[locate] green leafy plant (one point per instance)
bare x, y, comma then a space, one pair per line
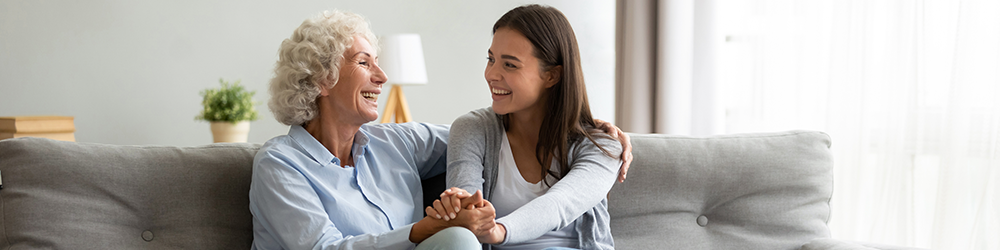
231, 103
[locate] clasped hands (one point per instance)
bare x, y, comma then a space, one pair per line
458, 207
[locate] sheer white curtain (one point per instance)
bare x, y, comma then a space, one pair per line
664, 47
908, 90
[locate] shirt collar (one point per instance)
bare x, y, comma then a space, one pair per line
318, 152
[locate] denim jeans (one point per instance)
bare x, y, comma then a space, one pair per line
451, 238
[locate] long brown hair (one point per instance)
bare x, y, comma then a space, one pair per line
569, 119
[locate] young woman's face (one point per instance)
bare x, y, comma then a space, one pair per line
513, 73
356, 93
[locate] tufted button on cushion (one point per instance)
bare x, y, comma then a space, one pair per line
147, 235
702, 220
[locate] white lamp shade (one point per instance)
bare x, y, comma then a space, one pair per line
402, 59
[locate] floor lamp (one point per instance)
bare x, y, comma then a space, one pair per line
402, 60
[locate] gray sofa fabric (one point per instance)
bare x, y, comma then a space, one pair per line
751, 191
65, 195
834, 244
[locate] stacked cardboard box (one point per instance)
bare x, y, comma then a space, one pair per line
52, 127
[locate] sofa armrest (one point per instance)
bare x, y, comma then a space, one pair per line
834, 244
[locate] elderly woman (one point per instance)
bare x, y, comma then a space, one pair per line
336, 182
332, 181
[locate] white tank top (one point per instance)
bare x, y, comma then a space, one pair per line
512, 191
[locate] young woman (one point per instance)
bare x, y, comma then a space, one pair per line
535, 154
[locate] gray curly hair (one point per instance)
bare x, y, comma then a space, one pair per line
312, 56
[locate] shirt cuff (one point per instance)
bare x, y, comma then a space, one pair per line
398, 238
506, 236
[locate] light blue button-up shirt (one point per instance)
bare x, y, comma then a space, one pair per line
301, 198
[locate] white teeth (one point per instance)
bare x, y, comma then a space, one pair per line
370, 95
499, 91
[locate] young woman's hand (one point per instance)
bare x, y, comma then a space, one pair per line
622, 137
494, 236
451, 202
480, 220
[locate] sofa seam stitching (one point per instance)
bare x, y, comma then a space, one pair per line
738, 136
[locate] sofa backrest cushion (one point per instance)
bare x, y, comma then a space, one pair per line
745, 191
65, 195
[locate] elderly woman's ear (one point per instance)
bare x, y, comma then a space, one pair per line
324, 89
325, 86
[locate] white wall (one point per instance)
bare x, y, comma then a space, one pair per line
130, 71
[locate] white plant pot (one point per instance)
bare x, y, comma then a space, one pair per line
230, 132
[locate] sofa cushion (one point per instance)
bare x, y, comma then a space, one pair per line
749, 191
65, 195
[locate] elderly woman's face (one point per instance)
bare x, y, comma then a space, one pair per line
355, 95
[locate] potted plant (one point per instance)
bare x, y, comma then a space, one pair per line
230, 109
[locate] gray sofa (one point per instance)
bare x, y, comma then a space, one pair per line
750, 191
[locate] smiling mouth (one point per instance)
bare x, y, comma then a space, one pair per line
499, 91
371, 96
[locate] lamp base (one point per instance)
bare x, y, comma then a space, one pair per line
396, 107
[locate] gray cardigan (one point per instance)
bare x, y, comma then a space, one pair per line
473, 154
